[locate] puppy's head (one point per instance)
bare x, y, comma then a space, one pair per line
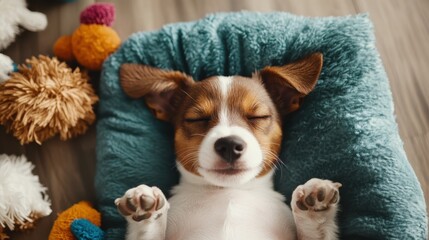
227, 129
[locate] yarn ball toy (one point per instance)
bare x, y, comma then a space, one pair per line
14, 13
23, 199
80, 221
63, 49
83, 229
46, 98
6, 67
98, 13
93, 41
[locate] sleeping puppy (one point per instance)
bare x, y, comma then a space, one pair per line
228, 132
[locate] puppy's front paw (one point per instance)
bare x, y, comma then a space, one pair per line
316, 195
142, 203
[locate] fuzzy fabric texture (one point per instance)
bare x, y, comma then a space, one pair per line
345, 130
22, 198
14, 13
81, 210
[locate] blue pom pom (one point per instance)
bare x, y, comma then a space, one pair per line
83, 229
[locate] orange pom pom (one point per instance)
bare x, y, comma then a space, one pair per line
61, 229
92, 44
63, 49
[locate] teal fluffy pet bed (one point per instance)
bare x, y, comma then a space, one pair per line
345, 130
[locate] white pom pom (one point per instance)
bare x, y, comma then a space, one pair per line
14, 13
32, 21
21, 193
9, 18
6, 67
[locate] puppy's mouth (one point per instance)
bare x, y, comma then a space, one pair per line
228, 171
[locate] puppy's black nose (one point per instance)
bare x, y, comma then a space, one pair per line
230, 148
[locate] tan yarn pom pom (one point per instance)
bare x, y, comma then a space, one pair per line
45, 98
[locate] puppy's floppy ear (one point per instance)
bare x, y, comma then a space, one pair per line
288, 84
158, 87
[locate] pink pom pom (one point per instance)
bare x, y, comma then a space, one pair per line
98, 13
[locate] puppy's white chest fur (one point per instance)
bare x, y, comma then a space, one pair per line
253, 211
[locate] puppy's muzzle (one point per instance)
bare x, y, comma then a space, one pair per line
230, 148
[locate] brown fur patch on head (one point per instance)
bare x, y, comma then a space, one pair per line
196, 115
251, 107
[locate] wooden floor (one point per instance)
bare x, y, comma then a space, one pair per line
402, 30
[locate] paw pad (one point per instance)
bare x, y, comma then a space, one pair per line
141, 203
316, 195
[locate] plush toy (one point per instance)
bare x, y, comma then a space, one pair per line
80, 221
14, 13
6, 67
93, 41
22, 198
46, 98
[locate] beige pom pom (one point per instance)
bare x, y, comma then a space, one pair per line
46, 98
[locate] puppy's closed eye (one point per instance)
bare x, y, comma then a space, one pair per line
198, 120
258, 117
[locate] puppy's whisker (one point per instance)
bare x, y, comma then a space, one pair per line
274, 164
189, 161
198, 134
188, 95
187, 150
195, 165
186, 156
